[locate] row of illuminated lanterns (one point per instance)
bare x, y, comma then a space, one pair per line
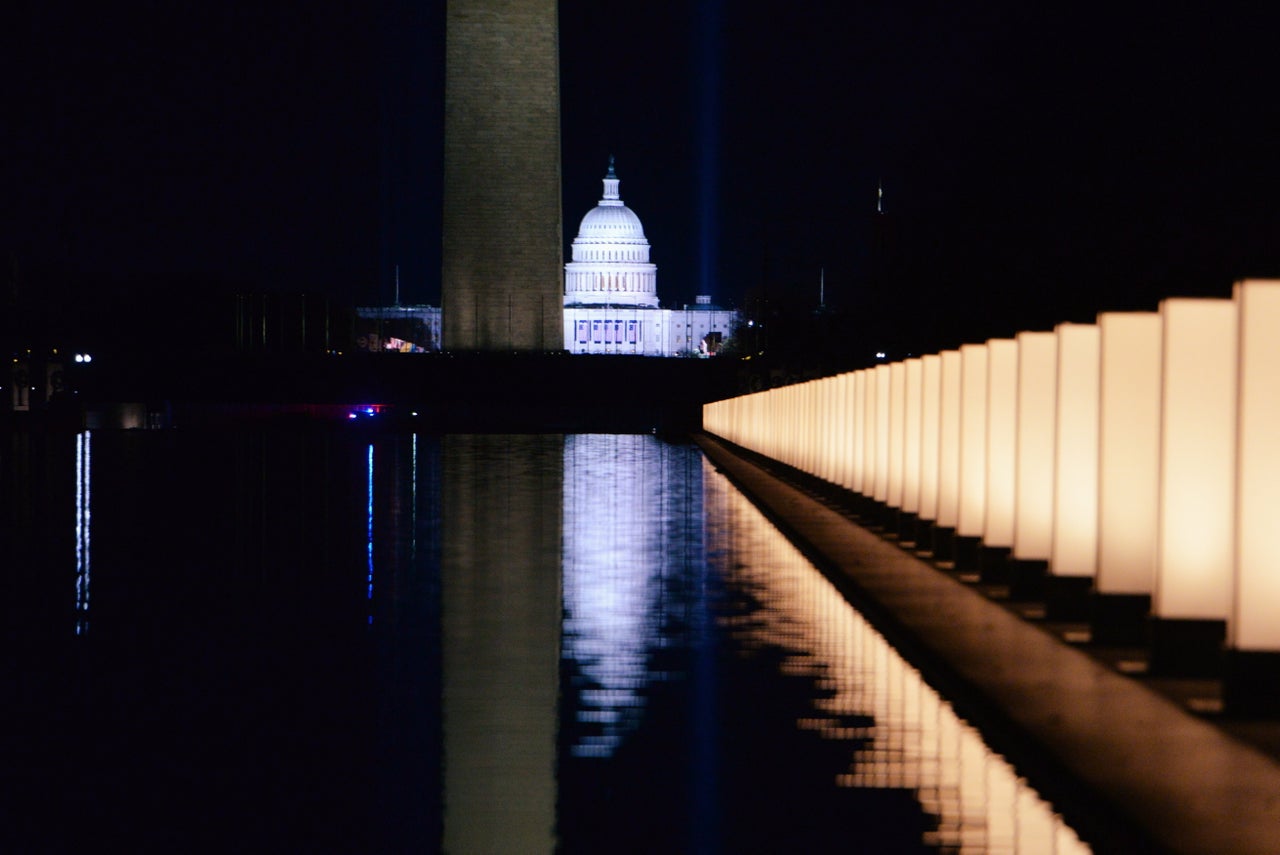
1142, 451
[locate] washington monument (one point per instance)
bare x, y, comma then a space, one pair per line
502, 244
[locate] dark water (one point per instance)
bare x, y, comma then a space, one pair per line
316, 642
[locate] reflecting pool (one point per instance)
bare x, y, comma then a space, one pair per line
328, 642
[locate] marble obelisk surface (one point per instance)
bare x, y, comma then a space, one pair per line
502, 254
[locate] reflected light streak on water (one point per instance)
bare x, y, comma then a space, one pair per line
369, 530
909, 736
83, 520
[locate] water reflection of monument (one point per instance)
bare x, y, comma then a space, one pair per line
500, 582
627, 506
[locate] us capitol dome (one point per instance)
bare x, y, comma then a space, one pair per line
611, 292
611, 256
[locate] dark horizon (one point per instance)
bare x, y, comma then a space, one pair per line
1038, 165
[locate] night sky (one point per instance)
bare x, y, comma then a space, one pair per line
1039, 163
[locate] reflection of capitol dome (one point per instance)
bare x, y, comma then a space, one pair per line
610, 256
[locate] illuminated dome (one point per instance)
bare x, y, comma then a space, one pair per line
610, 256
611, 221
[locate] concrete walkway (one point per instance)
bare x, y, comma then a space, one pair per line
1130, 770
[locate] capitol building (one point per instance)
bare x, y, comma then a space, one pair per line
610, 298
611, 292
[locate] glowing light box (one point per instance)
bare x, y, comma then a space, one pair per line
930, 427
846, 434
846, 437
831, 418
882, 433
859, 428
912, 410
1075, 504
1197, 460
1001, 451
1037, 423
897, 432
973, 440
949, 441
869, 435
1128, 452
817, 427
812, 424
1253, 624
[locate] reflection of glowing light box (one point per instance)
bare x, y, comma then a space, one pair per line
1037, 423
1128, 476
1253, 654
1001, 448
1074, 554
1192, 591
973, 455
948, 457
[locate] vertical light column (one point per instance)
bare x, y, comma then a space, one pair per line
914, 425
776, 422
1197, 460
818, 432
930, 428
1128, 474
812, 425
882, 433
801, 421
973, 440
1255, 623
795, 421
795, 414
859, 430
821, 427
1253, 662
870, 422
1037, 426
840, 420
1002, 423
897, 432
1196, 541
1075, 504
949, 441
836, 437
836, 420
848, 434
